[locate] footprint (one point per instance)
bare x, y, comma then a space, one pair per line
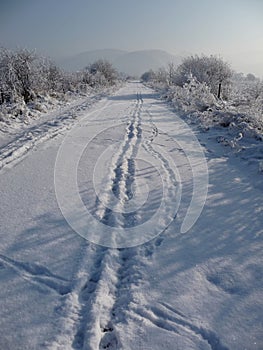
78, 342
95, 277
158, 242
109, 341
148, 251
87, 290
98, 263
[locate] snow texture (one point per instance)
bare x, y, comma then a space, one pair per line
201, 289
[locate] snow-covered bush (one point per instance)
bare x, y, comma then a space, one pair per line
158, 78
211, 70
247, 95
148, 76
17, 74
49, 77
192, 96
8, 79
30, 84
25, 75
241, 114
102, 73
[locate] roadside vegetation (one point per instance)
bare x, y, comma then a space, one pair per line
31, 84
206, 90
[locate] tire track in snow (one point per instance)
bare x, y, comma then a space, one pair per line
128, 278
90, 300
14, 151
122, 178
74, 312
128, 275
118, 274
123, 273
87, 309
101, 298
122, 174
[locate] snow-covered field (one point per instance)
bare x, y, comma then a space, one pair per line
170, 259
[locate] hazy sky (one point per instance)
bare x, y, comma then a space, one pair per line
231, 28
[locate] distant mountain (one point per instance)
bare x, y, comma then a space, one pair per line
83, 59
134, 63
138, 62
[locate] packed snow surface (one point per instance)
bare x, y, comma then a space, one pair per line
168, 284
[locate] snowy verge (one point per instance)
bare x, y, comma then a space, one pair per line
20, 134
238, 130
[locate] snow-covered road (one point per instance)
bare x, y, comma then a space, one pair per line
112, 237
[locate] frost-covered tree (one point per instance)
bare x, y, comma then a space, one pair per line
171, 72
7, 76
51, 75
24, 75
161, 76
22, 66
148, 76
251, 77
211, 70
104, 72
247, 95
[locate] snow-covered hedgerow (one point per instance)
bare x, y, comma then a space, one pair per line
31, 85
247, 95
193, 88
12, 114
237, 121
196, 102
192, 96
212, 70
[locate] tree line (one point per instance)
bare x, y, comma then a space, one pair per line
207, 87
211, 70
26, 75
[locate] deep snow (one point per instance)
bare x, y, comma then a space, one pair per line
201, 289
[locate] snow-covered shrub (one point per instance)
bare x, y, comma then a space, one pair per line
23, 71
48, 77
25, 75
8, 79
158, 79
192, 96
161, 76
171, 73
148, 76
211, 70
247, 96
31, 85
103, 73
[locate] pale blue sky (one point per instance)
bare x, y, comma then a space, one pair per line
231, 28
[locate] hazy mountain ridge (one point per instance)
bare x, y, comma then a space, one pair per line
132, 63
80, 61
